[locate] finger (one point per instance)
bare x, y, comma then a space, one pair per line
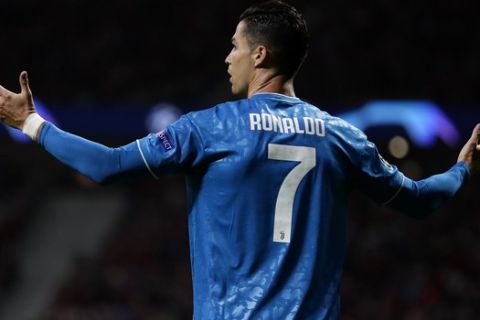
476, 136
3, 91
476, 132
24, 83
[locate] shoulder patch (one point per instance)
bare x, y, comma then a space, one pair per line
165, 140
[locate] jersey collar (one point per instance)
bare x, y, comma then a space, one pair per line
275, 96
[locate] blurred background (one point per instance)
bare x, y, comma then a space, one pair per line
406, 72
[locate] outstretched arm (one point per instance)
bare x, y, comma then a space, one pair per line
419, 198
94, 160
423, 197
388, 186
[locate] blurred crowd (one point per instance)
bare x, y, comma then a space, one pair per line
397, 267
136, 53
13, 213
143, 272
139, 52
401, 268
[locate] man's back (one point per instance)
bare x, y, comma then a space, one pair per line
267, 179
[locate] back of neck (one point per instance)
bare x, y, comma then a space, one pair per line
273, 84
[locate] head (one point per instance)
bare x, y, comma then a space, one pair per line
270, 35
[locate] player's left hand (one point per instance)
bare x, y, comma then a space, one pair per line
470, 152
15, 108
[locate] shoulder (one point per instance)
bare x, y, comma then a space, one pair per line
228, 108
345, 138
343, 128
210, 122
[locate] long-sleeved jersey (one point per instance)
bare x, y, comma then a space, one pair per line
268, 179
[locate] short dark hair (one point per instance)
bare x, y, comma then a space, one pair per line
282, 29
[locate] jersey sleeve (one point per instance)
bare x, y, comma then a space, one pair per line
387, 185
94, 160
375, 176
420, 198
177, 149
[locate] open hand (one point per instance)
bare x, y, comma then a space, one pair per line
15, 108
471, 151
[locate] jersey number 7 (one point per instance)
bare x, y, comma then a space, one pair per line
282, 226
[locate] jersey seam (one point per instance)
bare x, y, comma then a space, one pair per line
276, 94
396, 193
145, 161
194, 126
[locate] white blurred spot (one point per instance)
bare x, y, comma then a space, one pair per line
161, 115
398, 147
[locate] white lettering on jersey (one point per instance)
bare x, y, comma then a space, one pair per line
288, 125
277, 124
255, 122
309, 126
270, 122
267, 122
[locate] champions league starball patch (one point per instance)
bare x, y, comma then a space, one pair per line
165, 140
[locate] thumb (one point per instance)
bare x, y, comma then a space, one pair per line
476, 132
476, 136
24, 83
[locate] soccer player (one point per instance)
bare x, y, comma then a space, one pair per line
268, 178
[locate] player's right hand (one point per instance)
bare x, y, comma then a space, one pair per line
15, 108
470, 153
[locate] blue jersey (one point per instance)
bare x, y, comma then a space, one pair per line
268, 179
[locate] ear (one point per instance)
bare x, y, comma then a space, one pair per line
259, 56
